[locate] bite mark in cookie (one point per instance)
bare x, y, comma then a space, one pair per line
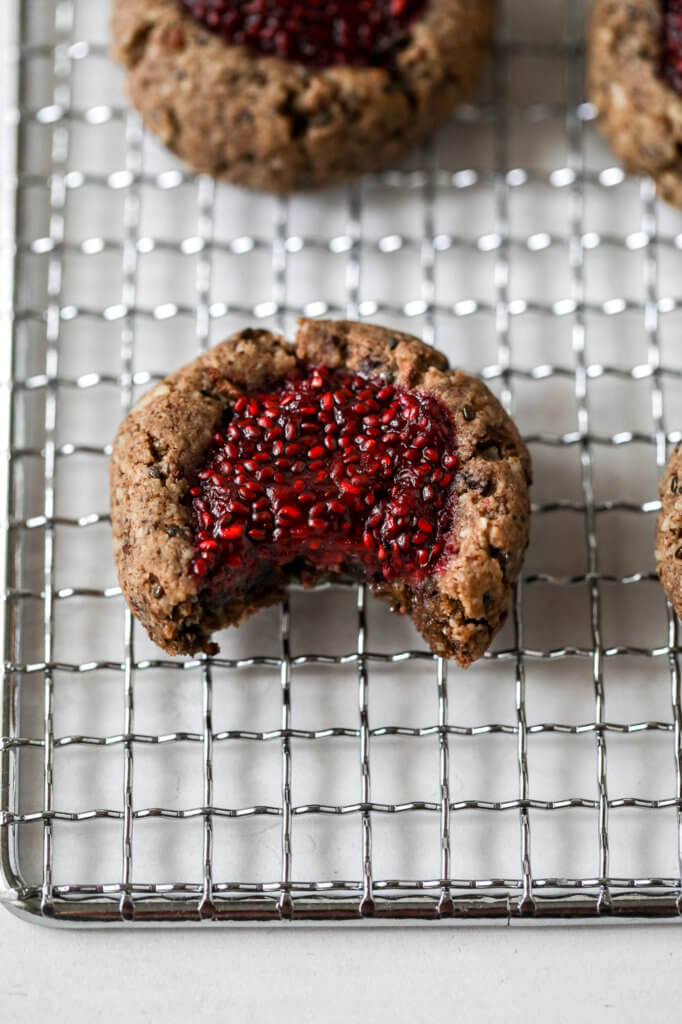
425, 497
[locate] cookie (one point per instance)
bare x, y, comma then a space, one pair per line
635, 82
669, 531
290, 98
354, 453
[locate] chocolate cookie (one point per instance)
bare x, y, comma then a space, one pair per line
669, 531
354, 453
635, 81
287, 97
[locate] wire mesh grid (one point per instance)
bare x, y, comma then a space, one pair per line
264, 784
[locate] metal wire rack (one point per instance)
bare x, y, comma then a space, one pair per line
267, 779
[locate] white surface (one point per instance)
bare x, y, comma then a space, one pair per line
619, 975
563, 974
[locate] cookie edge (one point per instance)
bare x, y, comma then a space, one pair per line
669, 530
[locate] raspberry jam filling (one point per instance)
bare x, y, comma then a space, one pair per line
672, 44
328, 472
321, 33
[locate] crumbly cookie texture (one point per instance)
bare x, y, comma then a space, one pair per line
669, 531
641, 114
457, 609
272, 124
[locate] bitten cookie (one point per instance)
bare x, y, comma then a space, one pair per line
354, 453
669, 531
635, 81
281, 95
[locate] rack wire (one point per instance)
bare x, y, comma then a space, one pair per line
265, 785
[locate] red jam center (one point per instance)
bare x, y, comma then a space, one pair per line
672, 43
333, 472
321, 33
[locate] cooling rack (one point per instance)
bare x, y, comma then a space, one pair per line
325, 767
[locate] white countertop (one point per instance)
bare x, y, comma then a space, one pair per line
619, 974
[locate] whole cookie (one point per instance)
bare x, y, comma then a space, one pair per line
669, 531
300, 118
354, 453
635, 81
